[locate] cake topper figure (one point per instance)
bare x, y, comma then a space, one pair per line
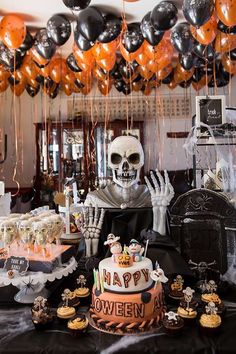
65, 296
188, 296
178, 283
116, 250
211, 308
111, 238
158, 276
81, 281
136, 250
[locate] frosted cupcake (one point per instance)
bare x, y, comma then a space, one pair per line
42, 316
211, 296
172, 323
210, 321
176, 288
187, 309
81, 292
77, 324
65, 312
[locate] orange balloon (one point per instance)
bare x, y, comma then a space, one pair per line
152, 65
226, 11
172, 85
38, 58
225, 42
85, 60
104, 50
181, 74
4, 74
86, 89
130, 56
57, 69
206, 33
99, 73
142, 59
136, 86
19, 77
229, 65
163, 73
28, 67
68, 78
107, 63
84, 76
12, 31
163, 49
145, 72
18, 89
67, 89
105, 86
32, 82
3, 85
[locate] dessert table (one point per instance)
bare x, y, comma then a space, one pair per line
17, 335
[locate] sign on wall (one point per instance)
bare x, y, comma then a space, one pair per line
210, 110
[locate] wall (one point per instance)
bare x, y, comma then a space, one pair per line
160, 151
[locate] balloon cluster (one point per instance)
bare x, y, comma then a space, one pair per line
132, 57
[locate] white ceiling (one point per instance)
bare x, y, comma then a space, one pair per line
37, 12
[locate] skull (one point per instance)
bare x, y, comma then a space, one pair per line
8, 231
26, 231
211, 308
125, 158
158, 276
188, 294
40, 233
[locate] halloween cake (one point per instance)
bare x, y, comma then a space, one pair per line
127, 298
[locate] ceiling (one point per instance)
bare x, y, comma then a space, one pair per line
36, 13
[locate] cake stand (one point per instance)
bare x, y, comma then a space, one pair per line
32, 284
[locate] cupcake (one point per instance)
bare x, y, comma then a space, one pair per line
172, 323
176, 288
77, 324
65, 311
81, 292
210, 321
187, 309
42, 316
211, 296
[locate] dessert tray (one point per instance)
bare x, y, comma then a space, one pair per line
32, 284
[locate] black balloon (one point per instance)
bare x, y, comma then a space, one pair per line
221, 77
27, 44
168, 79
182, 38
186, 61
39, 79
164, 15
47, 82
59, 29
232, 54
44, 44
199, 62
198, 74
132, 38
13, 81
10, 58
206, 52
81, 41
119, 85
151, 35
72, 64
115, 72
198, 12
90, 23
223, 28
138, 78
126, 69
76, 5
32, 91
185, 84
112, 29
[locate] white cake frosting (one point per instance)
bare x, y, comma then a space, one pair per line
126, 280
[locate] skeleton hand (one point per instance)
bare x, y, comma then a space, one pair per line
91, 229
161, 194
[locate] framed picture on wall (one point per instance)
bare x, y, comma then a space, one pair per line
210, 110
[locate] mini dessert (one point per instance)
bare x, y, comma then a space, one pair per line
172, 323
65, 312
210, 321
42, 316
176, 288
186, 309
211, 296
81, 292
78, 324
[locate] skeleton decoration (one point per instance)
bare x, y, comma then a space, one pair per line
91, 228
111, 238
211, 308
65, 296
81, 281
211, 286
8, 233
126, 158
172, 316
188, 295
178, 283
